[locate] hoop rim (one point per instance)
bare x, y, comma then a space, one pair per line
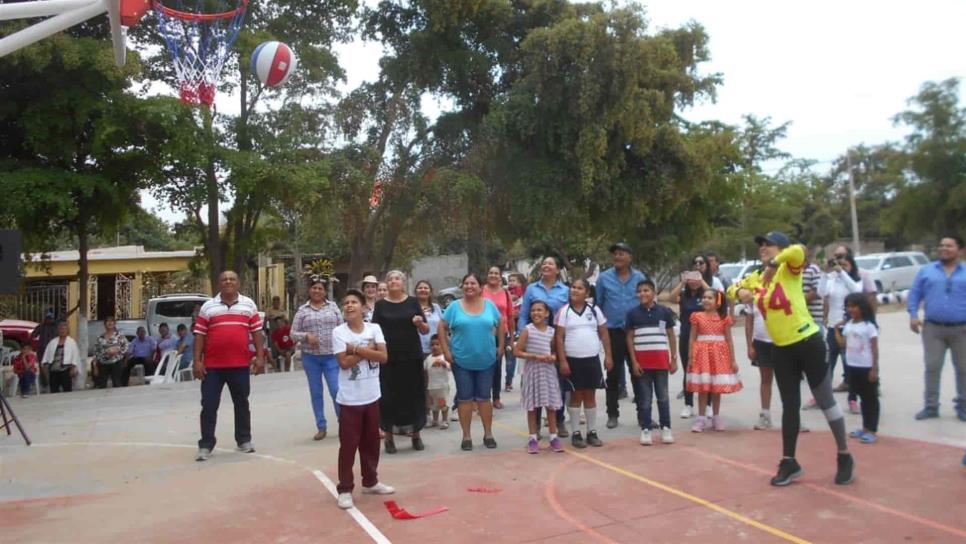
188, 16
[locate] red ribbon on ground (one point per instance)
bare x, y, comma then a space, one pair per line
401, 513
483, 489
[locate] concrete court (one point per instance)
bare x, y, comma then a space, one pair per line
118, 464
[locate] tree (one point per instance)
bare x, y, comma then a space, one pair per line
590, 135
234, 157
934, 201
71, 158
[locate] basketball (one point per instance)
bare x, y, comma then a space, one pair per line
273, 63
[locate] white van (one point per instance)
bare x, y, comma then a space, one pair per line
892, 271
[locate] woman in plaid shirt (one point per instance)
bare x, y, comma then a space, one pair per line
312, 329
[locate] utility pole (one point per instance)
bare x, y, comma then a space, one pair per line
855, 215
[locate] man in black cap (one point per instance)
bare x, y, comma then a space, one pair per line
616, 294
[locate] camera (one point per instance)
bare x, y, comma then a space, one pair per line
832, 262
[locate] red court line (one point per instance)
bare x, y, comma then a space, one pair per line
838, 494
551, 495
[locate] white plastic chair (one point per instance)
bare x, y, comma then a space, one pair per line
164, 372
186, 374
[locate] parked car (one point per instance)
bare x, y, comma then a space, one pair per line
444, 297
892, 271
16, 333
738, 270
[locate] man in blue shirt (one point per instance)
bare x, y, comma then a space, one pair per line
140, 351
941, 286
186, 344
615, 295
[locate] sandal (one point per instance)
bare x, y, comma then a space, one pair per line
390, 444
466, 444
418, 444
489, 442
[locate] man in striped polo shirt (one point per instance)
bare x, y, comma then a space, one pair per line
224, 328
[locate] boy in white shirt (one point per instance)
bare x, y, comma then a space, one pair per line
359, 348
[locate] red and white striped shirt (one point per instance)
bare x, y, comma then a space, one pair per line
227, 330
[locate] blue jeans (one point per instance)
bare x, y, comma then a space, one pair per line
472, 384
511, 367
317, 366
652, 382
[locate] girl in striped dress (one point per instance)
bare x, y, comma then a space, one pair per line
541, 387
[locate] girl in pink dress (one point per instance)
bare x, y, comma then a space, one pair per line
712, 369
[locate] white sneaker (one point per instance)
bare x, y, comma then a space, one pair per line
246, 447
203, 454
646, 437
666, 436
764, 423
379, 489
345, 501
687, 412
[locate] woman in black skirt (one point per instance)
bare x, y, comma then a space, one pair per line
402, 408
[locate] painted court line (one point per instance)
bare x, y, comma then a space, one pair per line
677, 492
551, 496
367, 526
358, 516
838, 494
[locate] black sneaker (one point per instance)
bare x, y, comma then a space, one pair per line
577, 440
788, 471
843, 475
622, 394
593, 439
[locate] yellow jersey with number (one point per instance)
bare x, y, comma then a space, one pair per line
782, 302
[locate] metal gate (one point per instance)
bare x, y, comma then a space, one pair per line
36, 298
122, 296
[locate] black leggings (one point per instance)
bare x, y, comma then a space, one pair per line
868, 392
804, 357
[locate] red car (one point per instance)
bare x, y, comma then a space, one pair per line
17, 332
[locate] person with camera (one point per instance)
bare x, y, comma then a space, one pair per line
841, 279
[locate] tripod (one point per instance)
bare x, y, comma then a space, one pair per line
6, 420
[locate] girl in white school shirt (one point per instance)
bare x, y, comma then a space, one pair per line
581, 329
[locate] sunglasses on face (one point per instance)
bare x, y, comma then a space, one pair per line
840, 256
699, 262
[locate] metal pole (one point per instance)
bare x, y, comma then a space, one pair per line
40, 8
855, 216
49, 27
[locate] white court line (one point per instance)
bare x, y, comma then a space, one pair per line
374, 533
358, 516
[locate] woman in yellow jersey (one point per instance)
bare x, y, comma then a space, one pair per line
798, 349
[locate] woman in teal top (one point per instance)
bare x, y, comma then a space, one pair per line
471, 333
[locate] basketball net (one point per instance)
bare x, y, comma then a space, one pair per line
200, 43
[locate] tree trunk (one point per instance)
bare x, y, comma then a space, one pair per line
300, 284
216, 261
83, 302
476, 250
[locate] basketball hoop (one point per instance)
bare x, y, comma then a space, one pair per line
199, 40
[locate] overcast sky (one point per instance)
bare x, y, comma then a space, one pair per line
838, 71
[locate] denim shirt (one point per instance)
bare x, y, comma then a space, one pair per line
616, 297
944, 297
555, 297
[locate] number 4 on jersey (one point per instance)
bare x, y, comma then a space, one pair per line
777, 301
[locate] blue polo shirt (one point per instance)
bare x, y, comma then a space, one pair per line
616, 297
944, 297
555, 297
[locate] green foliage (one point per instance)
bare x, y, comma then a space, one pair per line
934, 202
